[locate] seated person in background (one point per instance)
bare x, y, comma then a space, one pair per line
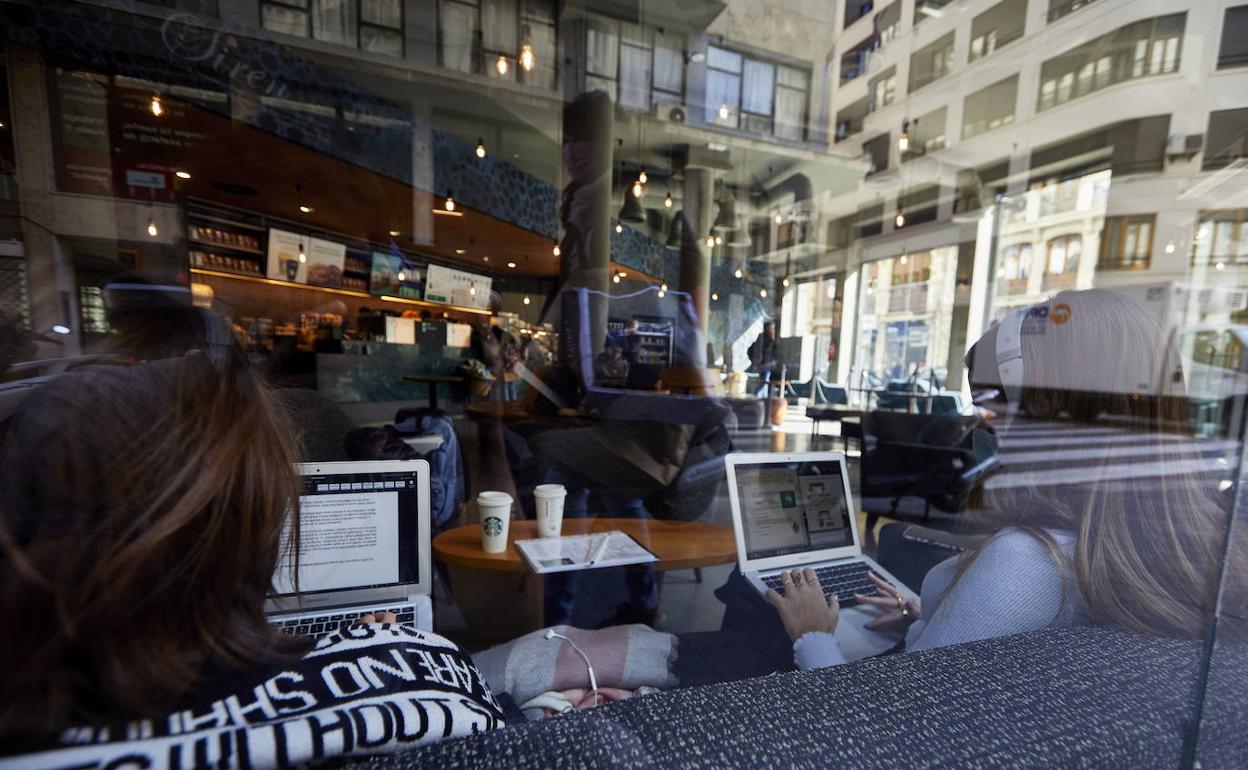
143, 510
610, 368
1138, 552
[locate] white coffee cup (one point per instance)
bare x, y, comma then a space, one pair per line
548, 500
495, 511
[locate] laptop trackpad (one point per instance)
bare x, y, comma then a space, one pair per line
856, 640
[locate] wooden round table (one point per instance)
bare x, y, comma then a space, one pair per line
677, 544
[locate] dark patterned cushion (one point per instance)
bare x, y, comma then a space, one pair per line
1076, 697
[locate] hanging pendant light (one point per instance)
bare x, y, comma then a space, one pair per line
638, 190
619, 228
738, 273
303, 255
719, 239
156, 106
152, 230
480, 147
900, 219
903, 140
450, 201
642, 178
501, 66
667, 200
527, 58
632, 211
710, 241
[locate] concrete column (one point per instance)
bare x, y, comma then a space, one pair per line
49, 270
695, 257
585, 260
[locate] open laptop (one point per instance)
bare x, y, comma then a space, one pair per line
792, 511
364, 535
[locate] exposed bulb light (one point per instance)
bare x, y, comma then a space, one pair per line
724, 112
785, 282
638, 189
303, 255
501, 66
527, 58
615, 278
2, 125
151, 227
394, 233
485, 258
779, 218
1220, 266
738, 272
526, 300
511, 265
450, 201
619, 228
556, 250
710, 241
662, 293
719, 239
60, 329
904, 259
461, 251
642, 177
762, 292
480, 147
156, 106
903, 140
402, 276
663, 287
900, 219
667, 201
714, 297
305, 209
622, 274
1170, 247
182, 174
472, 291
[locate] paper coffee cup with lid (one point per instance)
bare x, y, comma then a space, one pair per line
495, 511
548, 500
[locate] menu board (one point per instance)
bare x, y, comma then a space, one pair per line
325, 262
384, 276
455, 287
284, 263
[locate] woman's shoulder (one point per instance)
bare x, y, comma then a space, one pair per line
360, 690
1018, 550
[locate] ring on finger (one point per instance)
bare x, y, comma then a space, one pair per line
901, 602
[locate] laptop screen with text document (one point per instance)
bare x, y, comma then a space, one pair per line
356, 531
793, 507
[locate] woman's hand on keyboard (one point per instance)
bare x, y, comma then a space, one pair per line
899, 611
803, 607
369, 618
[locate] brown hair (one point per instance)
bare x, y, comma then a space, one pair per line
1147, 550
143, 512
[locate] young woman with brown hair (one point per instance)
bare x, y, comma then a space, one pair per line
142, 515
1108, 543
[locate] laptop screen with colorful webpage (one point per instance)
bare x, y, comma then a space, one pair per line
793, 507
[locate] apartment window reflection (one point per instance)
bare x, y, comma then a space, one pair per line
1226, 139
1234, 49
990, 108
931, 63
754, 95
375, 26
929, 9
638, 66
1016, 268
485, 37
1127, 243
1061, 8
1221, 237
927, 134
883, 90
1063, 262
997, 27
854, 61
1145, 48
888, 22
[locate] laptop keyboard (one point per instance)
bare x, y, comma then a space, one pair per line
317, 625
844, 580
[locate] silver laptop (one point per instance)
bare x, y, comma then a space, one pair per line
364, 547
795, 510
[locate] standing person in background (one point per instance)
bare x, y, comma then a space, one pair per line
763, 357
496, 348
630, 342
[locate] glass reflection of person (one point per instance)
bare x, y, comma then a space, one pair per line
762, 355
1116, 542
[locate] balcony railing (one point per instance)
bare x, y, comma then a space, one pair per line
1059, 281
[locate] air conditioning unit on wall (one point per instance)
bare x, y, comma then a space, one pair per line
671, 112
1184, 145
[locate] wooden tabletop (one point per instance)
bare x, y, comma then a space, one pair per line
433, 378
678, 544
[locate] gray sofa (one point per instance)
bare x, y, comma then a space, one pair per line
1079, 697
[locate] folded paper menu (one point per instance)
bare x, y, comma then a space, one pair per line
599, 549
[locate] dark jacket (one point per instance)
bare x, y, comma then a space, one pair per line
763, 352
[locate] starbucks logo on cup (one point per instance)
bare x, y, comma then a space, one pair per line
492, 526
